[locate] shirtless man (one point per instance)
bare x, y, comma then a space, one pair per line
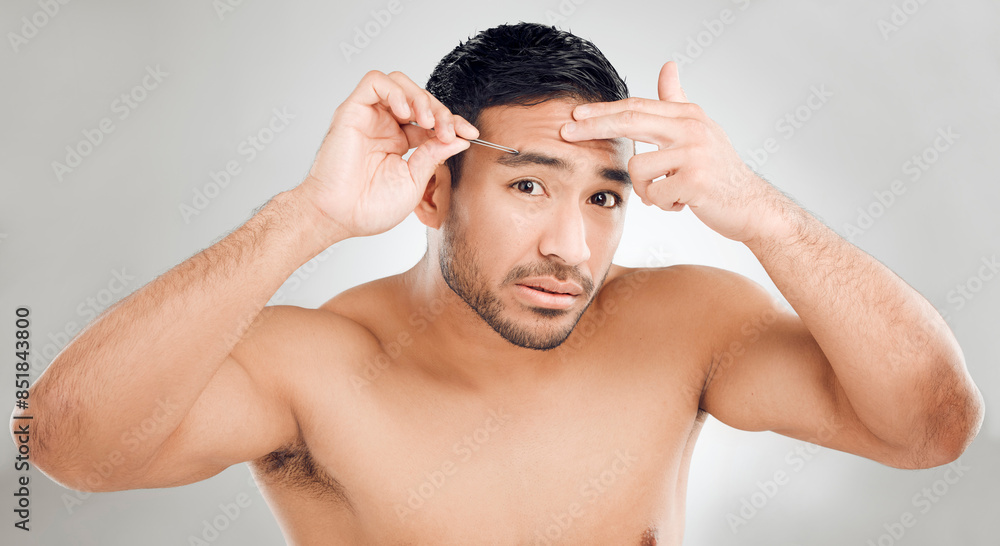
514, 386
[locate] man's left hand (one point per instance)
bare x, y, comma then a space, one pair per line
702, 169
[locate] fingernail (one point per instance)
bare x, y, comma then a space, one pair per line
582, 110
570, 127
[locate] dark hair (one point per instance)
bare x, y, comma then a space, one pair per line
523, 64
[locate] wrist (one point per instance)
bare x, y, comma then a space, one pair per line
785, 225
313, 228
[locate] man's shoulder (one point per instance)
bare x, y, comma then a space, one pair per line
289, 333
702, 300
680, 282
366, 301
680, 314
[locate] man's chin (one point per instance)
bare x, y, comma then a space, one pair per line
528, 335
537, 344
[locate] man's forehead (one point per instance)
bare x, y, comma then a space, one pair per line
538, 126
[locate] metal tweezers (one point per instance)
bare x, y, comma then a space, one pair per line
483, 143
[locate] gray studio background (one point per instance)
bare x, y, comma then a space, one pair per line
72, 243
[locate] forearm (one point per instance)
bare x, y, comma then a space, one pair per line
152, 354
896, 359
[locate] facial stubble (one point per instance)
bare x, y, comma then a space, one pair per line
461, 268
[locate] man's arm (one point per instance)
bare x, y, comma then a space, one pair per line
178, 380
866, 351
868, 366
123, 385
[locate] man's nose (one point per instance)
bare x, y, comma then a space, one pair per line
565, 235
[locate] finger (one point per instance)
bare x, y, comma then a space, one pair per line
667, 193
464, 128
658, 130
645, 167
429, 155
638, 104
415, 136
377, 88
434, 114
419, 99
669, 83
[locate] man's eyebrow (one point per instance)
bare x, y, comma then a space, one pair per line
617, 175
535, 158
532, 158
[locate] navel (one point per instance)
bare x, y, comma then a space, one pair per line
649, 537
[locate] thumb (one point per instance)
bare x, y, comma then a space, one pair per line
669, 84
426, 158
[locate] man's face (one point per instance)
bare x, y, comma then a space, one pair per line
528, 239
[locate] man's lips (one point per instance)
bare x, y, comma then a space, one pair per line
552, 286
537, 297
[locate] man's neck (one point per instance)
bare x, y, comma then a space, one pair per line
457, 344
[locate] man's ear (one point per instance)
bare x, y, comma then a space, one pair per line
433, 206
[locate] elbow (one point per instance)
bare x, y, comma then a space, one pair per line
962, 424
73, 472
952, 426
42, 443
36, 449
21, 434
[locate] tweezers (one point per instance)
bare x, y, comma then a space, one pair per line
483, 143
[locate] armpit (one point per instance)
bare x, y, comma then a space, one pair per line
292, 466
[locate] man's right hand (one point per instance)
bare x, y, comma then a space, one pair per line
218, 398
359, 178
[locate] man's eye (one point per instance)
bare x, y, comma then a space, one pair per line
606, 199
528, 186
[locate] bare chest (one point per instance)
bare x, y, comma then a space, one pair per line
596, 455
596, 459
